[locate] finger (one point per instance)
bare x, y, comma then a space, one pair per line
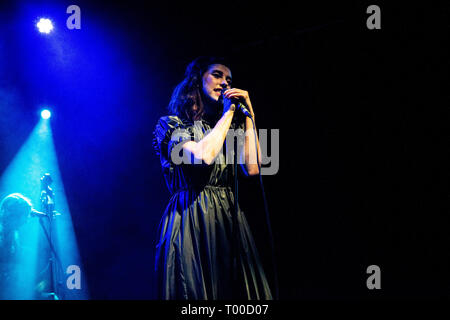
227, 92
233, 90
236, 95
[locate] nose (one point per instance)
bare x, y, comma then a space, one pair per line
224, 84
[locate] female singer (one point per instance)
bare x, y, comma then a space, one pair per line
194, 254
15, 210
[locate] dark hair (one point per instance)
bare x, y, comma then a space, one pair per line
186, 98
14, 202
13, 209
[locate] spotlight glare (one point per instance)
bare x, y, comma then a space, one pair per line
46, 114
45, 25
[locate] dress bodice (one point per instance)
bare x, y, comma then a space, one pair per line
180, 171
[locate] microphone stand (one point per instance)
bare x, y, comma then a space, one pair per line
236, 234
47, 206
235, 254
235, 229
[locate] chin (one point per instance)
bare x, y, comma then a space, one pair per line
214, 97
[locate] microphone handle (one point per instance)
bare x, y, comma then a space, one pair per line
238, 105
243, 109
35, 213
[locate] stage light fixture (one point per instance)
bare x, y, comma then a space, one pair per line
45, 25
46, 114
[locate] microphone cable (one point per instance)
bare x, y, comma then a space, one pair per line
266, 206
266, 209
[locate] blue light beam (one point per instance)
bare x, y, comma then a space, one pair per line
36, 157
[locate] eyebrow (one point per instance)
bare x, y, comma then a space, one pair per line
218, 71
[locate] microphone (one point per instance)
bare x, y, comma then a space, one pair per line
39, 214
240, 106
35, 213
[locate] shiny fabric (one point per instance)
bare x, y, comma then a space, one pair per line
194, 251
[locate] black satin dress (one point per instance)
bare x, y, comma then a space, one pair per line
194, 251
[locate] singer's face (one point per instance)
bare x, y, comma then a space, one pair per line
215, 79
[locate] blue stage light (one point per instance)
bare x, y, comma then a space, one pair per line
46, 114
45, 25
28, 265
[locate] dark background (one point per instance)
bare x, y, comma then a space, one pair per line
362, 116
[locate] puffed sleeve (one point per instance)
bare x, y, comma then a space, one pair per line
169, 132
